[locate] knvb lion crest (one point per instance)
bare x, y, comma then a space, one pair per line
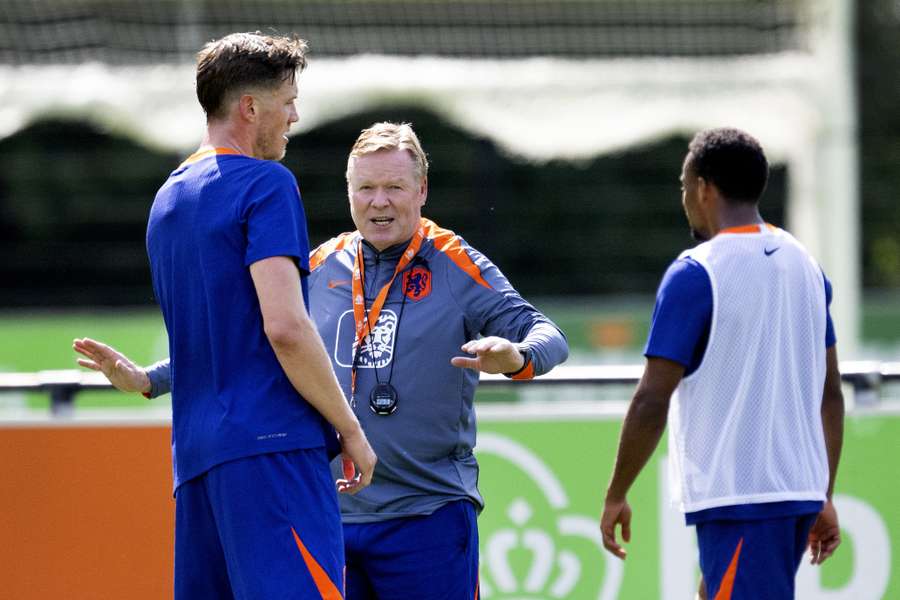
526, 561
377, 347
417, 283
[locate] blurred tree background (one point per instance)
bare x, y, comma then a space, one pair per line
75, 203
878, 89
74, 199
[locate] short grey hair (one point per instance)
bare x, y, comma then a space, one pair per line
389, 136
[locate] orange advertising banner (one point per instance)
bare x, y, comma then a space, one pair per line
86, 512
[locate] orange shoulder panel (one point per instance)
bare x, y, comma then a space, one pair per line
318, 256
448, 242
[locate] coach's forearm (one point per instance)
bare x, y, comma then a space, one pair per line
302, 355
548, 345
159, 375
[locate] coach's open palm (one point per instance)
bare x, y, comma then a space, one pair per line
121, 372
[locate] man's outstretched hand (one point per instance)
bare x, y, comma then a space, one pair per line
119, 370
491, 355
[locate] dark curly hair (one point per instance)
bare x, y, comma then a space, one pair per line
732, 160
242, 60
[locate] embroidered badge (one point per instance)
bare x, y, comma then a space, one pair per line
417, 283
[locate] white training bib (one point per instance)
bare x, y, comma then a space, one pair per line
746, 427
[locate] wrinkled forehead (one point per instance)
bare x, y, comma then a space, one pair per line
383, 163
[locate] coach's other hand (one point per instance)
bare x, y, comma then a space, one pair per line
121, 372
492, 355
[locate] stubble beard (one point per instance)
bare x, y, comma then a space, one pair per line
269, 147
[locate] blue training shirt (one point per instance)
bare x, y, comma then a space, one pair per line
215, 216
679, 331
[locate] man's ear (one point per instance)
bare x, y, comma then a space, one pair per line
706, 191
248, 108
423, 190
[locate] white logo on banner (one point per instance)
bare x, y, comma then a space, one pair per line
554, 571
377, 348
555, 568
871, 549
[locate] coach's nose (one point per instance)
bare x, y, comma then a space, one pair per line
381, 199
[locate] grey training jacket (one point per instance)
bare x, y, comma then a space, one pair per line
455, 294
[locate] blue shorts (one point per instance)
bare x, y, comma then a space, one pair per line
752, 558
432, 557
261, 527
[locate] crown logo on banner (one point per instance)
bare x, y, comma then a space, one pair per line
532, 557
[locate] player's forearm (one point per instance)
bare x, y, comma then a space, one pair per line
833, 417
641, 431
302, 355
833, 422
833, 426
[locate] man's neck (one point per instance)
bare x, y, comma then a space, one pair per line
223, 134
737, 216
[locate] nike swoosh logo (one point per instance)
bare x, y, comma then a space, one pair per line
333, 283
768, 252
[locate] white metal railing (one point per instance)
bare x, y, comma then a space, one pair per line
866, 378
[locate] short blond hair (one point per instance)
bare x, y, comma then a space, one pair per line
389, 136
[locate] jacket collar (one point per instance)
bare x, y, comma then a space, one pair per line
389, 253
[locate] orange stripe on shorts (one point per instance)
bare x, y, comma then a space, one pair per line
727, 585
324, 584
